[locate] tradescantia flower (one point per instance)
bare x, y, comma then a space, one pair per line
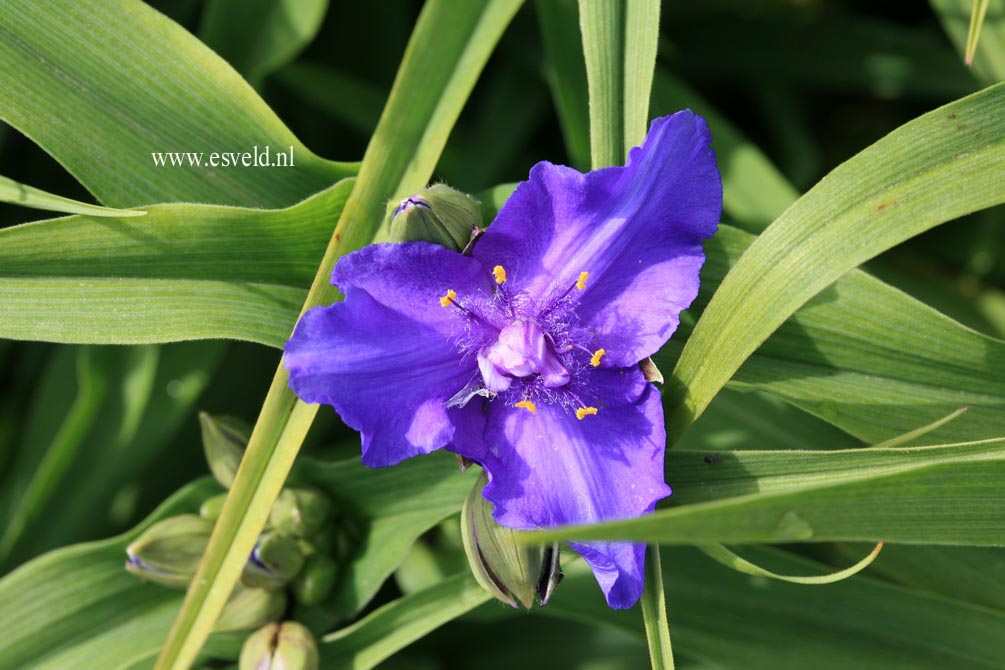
524, 356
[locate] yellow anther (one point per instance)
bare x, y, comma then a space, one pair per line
528, 405
499, 272
581, 282
597, 355
584, 412
448, 299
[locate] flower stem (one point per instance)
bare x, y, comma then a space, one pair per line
654, 613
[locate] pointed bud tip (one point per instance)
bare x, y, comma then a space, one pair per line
224, 440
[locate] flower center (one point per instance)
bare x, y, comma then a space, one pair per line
520, 351
526, 351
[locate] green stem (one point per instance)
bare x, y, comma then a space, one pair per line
654, 612
450, 45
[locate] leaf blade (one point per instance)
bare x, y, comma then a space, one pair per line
399, 159
870, 203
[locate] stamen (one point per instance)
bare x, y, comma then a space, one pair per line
530, 406
448, 299
580, 284
499, 272
584, 412
597, 355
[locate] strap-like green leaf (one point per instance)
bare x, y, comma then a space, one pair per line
977, 16
26, 196
259, 36
448, 49
859, 355
912, 435
619, 45
948, 494
731, 620
884, 195
78, 608
723, 555
399, 623
101, 84
182, 272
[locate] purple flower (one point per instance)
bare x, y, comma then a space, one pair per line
524, 356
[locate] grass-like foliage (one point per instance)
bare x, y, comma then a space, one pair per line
837, 387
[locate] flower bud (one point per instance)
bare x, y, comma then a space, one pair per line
300, 511
285, 646
224, 439
315, 581
250, 608
168, 552
211, 507
276, 559
510, 571
438, 214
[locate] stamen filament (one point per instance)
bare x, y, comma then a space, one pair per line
580, 284
529, 406
584, 412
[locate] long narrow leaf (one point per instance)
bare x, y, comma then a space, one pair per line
450, 45
860, 355
78, 608
882, 196
26, 196
619, 45
395, 625
148, 279
102, 84
948, 494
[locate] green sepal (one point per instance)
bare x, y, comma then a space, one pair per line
300, 511
277, 558
211, 508
250, 608
168, 552
224, 439
316, 580
512, 572
438, 214
285, 646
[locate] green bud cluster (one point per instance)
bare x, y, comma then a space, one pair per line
297, 555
